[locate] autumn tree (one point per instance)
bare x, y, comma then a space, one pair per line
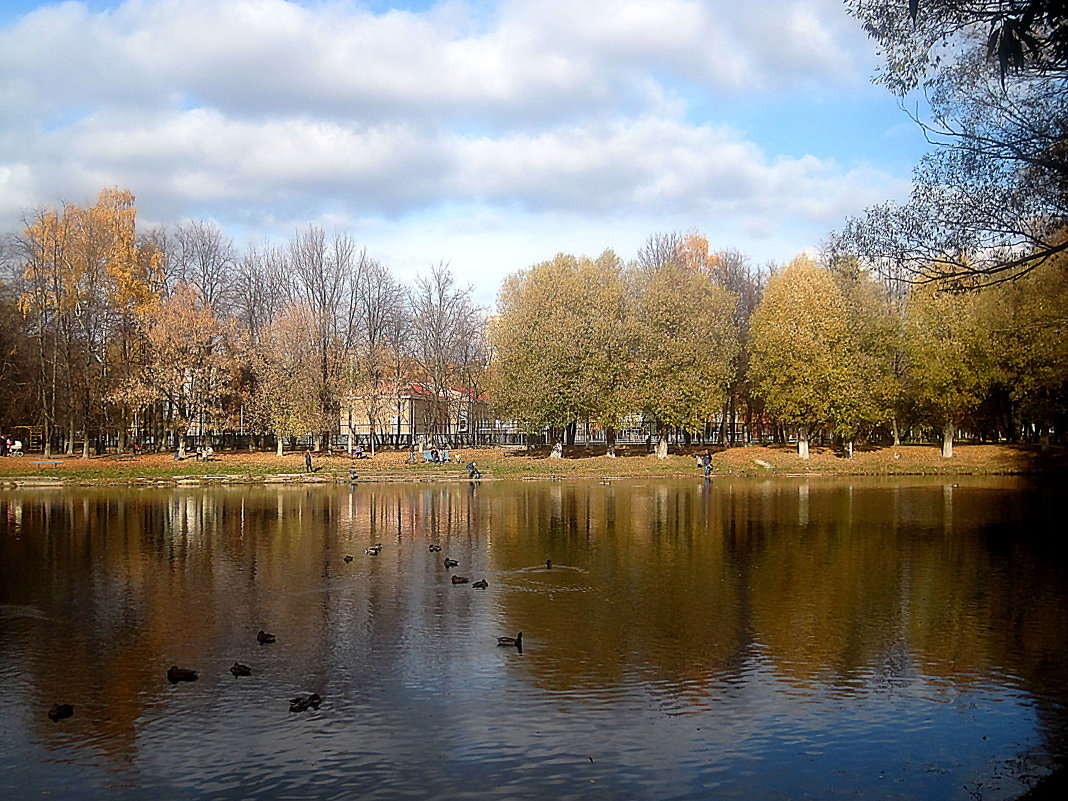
42, 252
732, 271
873, 393
1027, 340
562, 345
286, 398
685, 345
949, 364
84, 275
18, 373
801, 351
185, 361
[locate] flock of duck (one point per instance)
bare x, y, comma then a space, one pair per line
302, 703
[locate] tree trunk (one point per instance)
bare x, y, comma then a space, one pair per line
661, 443
849, 448
897, 433
802, 441
558, 450
278, 443
948, 431
1043, 440
610, 442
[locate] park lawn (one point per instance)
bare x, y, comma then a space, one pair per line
518, 463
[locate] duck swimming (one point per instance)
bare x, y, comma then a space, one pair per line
264, 637
450, 562
481, 584
516, 641
176, 674
60, 712
460, 579
304, 702
374, 550
348, 558
434, 548
241, 670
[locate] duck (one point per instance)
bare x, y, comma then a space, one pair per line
263, 637
304, 702
434, 548
241, 670
176, 674
460, 579
451, 562
60, 712
348, 558
516, 641
374, 550
605, 480
481, 584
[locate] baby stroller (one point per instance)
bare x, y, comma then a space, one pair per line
16, 448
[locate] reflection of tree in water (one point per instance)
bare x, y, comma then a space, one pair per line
837, 586
681, 589
649, 597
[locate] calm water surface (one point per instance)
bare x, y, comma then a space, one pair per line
759, 640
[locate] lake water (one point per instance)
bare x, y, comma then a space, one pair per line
780, 639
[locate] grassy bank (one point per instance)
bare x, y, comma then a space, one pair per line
498, 463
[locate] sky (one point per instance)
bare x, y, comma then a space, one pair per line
485, 135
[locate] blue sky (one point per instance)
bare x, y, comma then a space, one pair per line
486, 135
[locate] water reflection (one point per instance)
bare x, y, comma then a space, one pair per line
744, 639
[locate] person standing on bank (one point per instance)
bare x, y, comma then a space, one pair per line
307, 461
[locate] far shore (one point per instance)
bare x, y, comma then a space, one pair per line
524, 464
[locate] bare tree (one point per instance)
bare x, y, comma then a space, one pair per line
325, 277
259, 289
203, 257
443, 317
659, 249
379, 307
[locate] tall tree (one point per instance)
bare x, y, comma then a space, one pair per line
801, 351
259, 287
325, 279
443, 317
380, 300
733, 271
286, 399
562, 345
949, 363
185, 361
872, 394
203, 257
685, 346
1026, 325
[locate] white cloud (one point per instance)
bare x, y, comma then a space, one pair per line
451, 127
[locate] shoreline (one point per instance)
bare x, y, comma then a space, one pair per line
496, 464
